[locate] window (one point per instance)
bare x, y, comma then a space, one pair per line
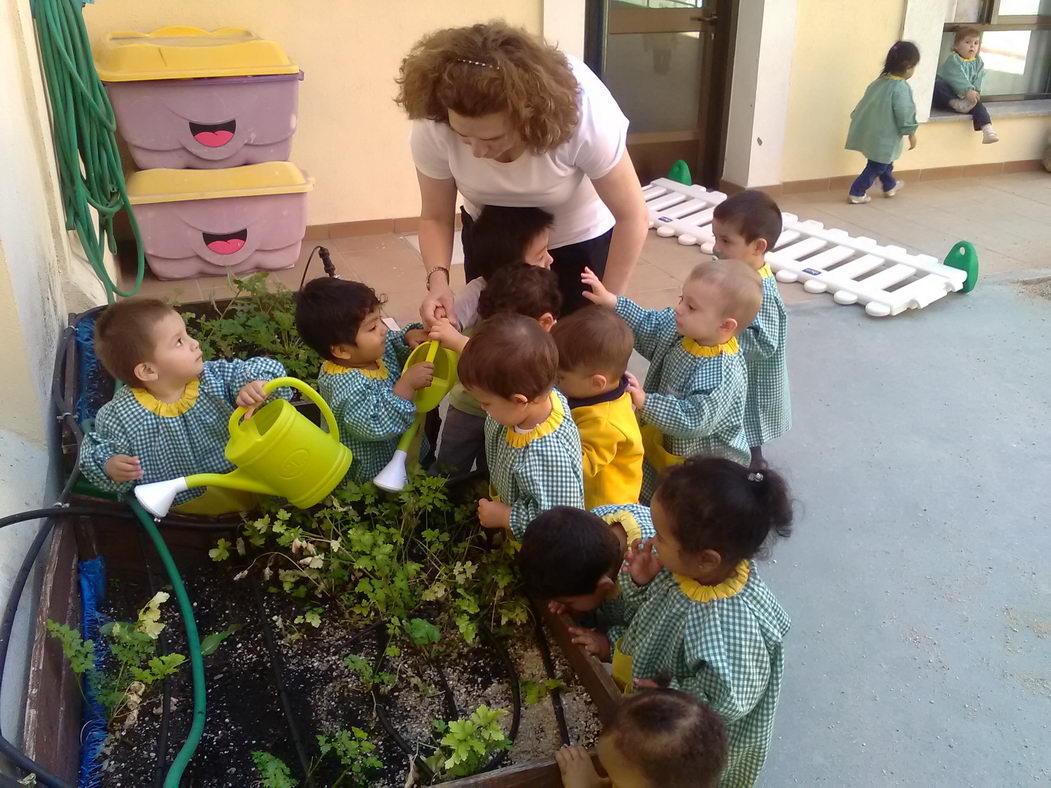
1016, 44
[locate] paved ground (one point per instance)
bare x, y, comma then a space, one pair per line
917, 580
918, 577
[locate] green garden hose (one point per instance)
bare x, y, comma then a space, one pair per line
193, 644
82, 124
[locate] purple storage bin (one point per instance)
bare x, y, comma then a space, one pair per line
191, 98
214, 222
207, 123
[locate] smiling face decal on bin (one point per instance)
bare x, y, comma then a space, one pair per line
230, 243
213, 135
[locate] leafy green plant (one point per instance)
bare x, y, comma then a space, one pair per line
467, 745
354, 751
273, 772
373, 556
536, 691
260, 319
370, 678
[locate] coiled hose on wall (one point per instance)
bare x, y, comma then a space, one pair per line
82, 125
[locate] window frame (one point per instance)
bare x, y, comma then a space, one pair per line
992, 20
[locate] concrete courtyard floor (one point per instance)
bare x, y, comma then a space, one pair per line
918, 577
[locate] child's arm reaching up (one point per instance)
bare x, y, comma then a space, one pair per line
598, 293
651, 328
642, 563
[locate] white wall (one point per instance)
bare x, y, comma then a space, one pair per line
924, 22
759, 92
563, 25
34, 264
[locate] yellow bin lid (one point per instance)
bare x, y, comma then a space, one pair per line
254, 180
181, 52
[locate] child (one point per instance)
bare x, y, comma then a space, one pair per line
516, 287
589, 547
699, 617
170, 418
594, 346
885, 114
693, 399
658, 739
361, 377
958, 85
501, 236
531, 443
746, 227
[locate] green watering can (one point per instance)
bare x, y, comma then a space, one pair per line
394, 476
278, 451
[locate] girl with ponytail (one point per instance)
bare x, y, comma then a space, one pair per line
695, 615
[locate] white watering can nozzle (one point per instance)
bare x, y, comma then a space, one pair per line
156, 498
393, 478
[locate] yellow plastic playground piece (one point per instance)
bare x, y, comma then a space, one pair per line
183, 52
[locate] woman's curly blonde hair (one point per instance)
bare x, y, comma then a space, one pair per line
482, 69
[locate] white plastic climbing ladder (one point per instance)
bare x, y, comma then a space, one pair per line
886, 279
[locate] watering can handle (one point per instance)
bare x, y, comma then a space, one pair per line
303, 388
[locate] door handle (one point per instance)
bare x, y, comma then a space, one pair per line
712, 18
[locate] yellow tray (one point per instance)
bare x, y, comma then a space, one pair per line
272, 177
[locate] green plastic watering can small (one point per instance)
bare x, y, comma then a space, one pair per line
278, 451
394, 476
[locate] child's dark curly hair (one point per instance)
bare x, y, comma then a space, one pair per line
330, 312
716, 504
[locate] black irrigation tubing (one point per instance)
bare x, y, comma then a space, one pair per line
279, 683
166, 694
549, 666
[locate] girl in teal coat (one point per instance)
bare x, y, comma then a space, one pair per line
885, 114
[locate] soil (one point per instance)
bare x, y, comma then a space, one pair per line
244, 709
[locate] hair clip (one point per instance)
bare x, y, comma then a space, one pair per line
755, 477
480, 63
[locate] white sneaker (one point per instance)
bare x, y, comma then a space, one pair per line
858, 200
962, 105
989, 137
894, 189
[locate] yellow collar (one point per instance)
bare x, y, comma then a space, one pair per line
709, 351
627, 521
380, 373
765, 272
965, 59
169, 409
546, 427
726, 589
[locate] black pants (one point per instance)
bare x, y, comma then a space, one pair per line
943, 94
568, 263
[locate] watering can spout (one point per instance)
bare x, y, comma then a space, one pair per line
156, 498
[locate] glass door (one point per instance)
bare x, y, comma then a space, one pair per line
665, 61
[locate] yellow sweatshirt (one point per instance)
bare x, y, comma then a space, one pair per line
612, 448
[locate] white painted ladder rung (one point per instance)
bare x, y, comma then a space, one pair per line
800, 249
888, 277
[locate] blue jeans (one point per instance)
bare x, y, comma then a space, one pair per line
943, 94
873, 170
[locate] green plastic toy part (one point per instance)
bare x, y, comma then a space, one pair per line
964, 257
680, 173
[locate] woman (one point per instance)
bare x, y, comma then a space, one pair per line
505, 119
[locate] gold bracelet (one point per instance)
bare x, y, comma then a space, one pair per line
448, 279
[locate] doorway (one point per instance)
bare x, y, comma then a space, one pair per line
668, 65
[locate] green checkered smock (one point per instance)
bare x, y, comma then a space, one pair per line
726, 651
694, 395
536, 470
767, 407
371, 417
173, 439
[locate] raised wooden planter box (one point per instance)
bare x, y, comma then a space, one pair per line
52, 716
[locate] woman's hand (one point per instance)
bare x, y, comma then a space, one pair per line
439, 302
912, 141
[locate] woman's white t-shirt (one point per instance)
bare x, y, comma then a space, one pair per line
559, 180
